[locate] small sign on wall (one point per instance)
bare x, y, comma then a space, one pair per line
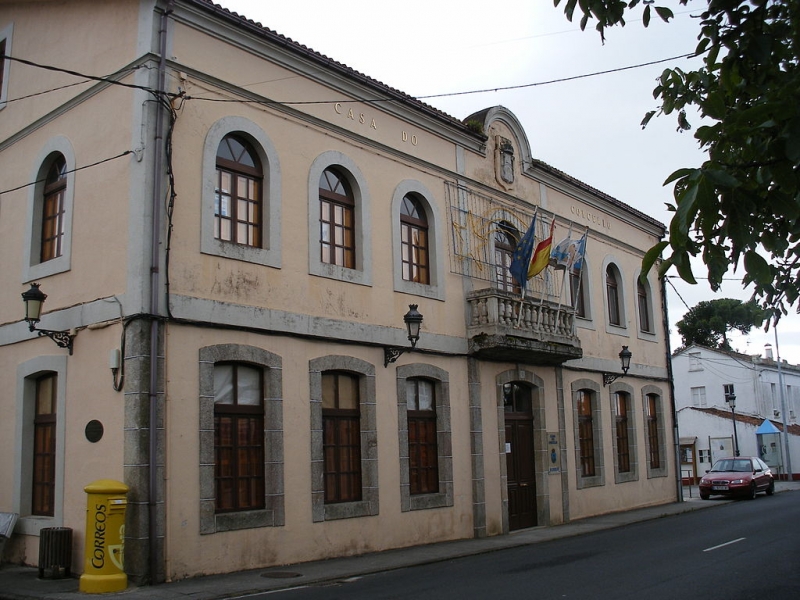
553, 453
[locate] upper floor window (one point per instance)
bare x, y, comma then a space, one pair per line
5, 64
238, 210
422, 444
44, 447
336, 220
341, 437
506, 238
238, 437
613, 296
577, 291
699, 396
414, 241
645, 310
695, 362
53, 210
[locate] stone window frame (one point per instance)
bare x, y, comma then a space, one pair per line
269, 253
33, 268
436, 242
633, 474
369, 503
27, 374
347, 168
273, 513
652, 300
598, 479
444, 437
662, 471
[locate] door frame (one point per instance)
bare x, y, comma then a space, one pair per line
522, 375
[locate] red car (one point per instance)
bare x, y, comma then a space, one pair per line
739, 476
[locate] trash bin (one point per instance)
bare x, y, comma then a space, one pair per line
55, 552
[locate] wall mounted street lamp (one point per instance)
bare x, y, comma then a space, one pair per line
731, 400
413, 321
34, 299
625, 359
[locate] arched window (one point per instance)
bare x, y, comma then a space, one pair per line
238, 209
577, 290
53, 209
643, 303
613, 297
414, 240
506, 238
336, 220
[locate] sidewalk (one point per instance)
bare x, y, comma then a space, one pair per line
22, 583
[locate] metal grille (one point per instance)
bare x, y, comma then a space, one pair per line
474, 220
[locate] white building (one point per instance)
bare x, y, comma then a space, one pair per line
704, 377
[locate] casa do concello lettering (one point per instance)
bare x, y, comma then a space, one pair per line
370, 122
591, 217
99, 553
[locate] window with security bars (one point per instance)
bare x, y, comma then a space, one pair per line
238, 204
44, 447
238, 437
53, 210
336, 220
341, 437
586, 432
621, 404
423, 452
414, 240
652, 431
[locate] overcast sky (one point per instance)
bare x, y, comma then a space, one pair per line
587, 127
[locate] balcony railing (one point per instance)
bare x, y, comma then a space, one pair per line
502, 326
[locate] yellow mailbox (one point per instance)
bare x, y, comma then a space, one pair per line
105, 537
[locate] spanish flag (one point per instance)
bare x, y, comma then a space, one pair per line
541, 256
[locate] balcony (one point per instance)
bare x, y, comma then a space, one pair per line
501, 326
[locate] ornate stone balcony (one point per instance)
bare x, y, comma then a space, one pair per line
503, 327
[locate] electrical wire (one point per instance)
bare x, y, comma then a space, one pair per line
94, 164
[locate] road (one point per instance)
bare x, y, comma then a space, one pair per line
736, 551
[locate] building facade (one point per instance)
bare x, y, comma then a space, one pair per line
229, 228
766, 400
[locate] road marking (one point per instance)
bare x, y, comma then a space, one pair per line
723, 545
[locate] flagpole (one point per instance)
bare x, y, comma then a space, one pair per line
564, 277
580, 278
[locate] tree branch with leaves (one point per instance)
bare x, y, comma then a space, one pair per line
742, 205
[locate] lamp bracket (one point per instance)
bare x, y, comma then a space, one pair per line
391, 354
63, 339
609, 378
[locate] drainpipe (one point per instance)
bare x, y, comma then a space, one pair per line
676, 436
788, 462
155, 290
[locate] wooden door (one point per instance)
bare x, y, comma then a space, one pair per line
521, 471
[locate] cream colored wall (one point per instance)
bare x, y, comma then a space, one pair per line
301, 539
89, 396
43, 32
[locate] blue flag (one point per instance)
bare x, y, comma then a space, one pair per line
522, 256
580, 251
